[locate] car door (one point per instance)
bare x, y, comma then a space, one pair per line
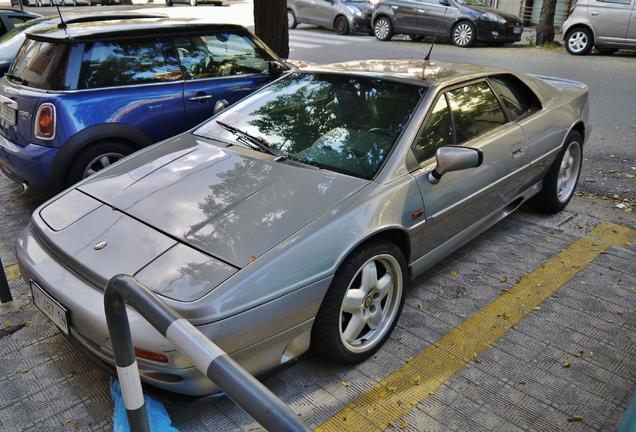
323, 12
405, 12
221, 65
610, 19
430, 17
468, 115
631, 31
303, 8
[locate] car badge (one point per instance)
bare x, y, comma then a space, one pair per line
101, 245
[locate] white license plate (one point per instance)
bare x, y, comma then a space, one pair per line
50, 307
517, 30
7, 115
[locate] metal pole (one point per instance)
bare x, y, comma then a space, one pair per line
126, 363
245, 390
5, 293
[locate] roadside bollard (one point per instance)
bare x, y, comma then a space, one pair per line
5, 293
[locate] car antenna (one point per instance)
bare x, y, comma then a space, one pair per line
62, 25
430, 50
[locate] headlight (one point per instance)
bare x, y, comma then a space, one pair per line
354, 10
489, 16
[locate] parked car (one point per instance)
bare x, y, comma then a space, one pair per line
11, 18
344, 16
463, 22
296, 217
11, 42
75, 104
606, 25
197, 2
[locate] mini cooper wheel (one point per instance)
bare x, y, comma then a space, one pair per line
95, 158
579, 41
342, 25
362, 304
383, 29
563, 176
463, 34
292, 23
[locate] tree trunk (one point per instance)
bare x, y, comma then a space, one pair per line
270, 24
545, 29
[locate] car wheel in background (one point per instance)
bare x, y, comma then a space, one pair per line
579, 41
383, 29
606, 51
95, 158
169, 3
193, 2
341, 25
362, 305
463, 34
563, 176
416, 38
291, 19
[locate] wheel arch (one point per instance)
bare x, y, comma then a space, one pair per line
581, 25
333, 23
459, 20
577, 126
382, 15
393, 234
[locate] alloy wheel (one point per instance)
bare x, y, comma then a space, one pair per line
463, 34
382, 28
578, 41
290, 19
101, 162
371, 303
569, 171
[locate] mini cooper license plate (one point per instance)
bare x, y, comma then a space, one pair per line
50, 307
7, 115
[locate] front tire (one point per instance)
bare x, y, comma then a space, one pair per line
362, 304
292, 23
341, 25
383, 29
463, 34
561, 180
95, 158
579, 41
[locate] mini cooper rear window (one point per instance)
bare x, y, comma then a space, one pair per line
41, 65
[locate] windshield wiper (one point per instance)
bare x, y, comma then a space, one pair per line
17, 79
254, 141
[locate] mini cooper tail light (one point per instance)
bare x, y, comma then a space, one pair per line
45, 122
149, 355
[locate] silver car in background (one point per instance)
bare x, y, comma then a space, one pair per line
606, 25
295, 218
343, 16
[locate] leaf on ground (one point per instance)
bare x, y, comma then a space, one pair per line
579, 354
8, 324
345, 383
503, 278
417, 380
22, 370
453, 273
74, 424
404, 424
575, 418
565, 363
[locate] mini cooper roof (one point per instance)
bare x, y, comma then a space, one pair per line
127, 28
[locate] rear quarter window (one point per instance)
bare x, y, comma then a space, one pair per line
41, 65
517, 98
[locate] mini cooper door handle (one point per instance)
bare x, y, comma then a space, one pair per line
201, 98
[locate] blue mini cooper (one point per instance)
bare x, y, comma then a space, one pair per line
78, 98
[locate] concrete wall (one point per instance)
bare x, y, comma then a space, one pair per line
509, 6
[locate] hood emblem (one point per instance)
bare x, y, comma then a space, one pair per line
101, 245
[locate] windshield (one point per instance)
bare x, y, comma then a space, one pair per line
11, 41
343, 123
484, 3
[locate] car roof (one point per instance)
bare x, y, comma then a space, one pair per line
17, 11
415, 71
124, 28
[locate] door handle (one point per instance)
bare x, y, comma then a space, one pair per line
594, 13
517, 152
201, 98
421, 11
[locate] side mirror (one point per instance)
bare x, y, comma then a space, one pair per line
454, 159
220, 105
444, 2
275, 69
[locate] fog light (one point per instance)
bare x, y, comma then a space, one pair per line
149, 355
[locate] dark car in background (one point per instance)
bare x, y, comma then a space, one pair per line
11, 18
76, 100
344, 16
11, 42
463, 22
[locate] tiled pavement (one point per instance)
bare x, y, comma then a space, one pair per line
517, 383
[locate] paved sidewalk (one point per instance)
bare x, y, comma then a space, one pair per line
567, 364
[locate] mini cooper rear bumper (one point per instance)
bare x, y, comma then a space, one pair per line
29, 164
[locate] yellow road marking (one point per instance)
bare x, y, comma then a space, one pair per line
12, 271
393, 397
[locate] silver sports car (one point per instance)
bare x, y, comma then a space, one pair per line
295, 218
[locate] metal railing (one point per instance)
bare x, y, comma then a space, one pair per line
245, 390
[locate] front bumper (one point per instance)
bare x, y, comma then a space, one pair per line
30, 164
361, 24
85, 303
490, 31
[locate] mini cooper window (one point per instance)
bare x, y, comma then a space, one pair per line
476, 111
41, 65
111, 64
221, 54
436, 132
342, 123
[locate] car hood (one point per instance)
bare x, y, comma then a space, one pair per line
364, 6
226, 202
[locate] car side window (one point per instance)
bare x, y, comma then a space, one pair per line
518, 100
475, 110
111, 64
437, 131
17, 20
220, 54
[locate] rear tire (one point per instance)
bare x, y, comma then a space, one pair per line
579, 41
89, 159
292, 23
341, 25
383, 29
562, 177
362, 305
